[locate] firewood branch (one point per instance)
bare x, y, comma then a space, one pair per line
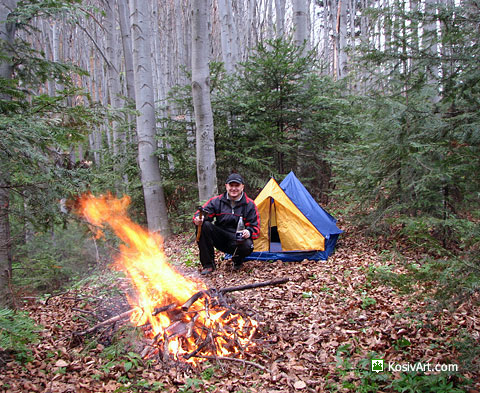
106, 322
254, 285
234, 360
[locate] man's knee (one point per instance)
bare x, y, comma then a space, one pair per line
246, 248
207, 227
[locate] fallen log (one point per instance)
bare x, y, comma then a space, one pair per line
254, 285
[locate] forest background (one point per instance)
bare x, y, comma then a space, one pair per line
373, 104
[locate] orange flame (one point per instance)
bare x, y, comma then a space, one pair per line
158, 284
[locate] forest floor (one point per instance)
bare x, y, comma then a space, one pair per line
317, 333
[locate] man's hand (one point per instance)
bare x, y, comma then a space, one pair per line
245, 233
197, 220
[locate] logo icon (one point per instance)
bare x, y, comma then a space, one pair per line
377, 365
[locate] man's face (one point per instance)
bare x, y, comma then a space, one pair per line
234, 189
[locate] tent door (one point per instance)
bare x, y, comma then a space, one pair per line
273, 235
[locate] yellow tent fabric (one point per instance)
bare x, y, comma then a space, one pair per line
296, 232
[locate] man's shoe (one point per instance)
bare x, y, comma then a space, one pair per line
207, 270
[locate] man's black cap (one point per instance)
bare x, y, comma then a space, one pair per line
234, 177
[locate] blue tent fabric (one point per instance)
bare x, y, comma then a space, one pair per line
322, 220
300, 196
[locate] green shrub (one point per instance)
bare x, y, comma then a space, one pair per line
435, 383
17, 333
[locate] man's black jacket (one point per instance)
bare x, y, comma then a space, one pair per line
219, 209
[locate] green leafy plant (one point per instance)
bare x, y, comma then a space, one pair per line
436, 383
17, 333
189, 384
208, 373
368, 302
469, 350
358, 377
401, 344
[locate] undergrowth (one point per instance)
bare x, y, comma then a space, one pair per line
17, 333
358, 376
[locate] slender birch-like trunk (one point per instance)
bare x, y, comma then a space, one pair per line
430, 40
155, 205
342, 38
123, 13
206, 164
113, 75
280, 17
300, 23
226, 36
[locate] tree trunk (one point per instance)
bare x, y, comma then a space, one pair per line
155, 205
206, 164
124, 15
327, 45
342, 38
430, 40
333, 11
113, 74
7, 33
228, 41
269, 21
300, 23
280, 17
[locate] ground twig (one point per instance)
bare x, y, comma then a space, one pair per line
248, 362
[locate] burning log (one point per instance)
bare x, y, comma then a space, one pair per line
204, 326
168, 307
192, 300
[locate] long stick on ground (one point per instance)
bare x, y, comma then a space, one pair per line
254, 285
106, 322
233, 360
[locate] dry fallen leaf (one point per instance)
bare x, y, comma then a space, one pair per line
61, 363
299, 385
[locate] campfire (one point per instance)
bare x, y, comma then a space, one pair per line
183, 320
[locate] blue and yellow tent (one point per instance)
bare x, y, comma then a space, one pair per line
293, 226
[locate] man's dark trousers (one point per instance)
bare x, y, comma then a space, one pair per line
214, 237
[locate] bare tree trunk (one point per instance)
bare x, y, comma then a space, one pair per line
269, 20
364, 41
227, 35
280, 17
206, 164
342, 39
155, 205
124, 16
181, 41
430, 40
327, 46
300, 24
113, 74
7, 33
